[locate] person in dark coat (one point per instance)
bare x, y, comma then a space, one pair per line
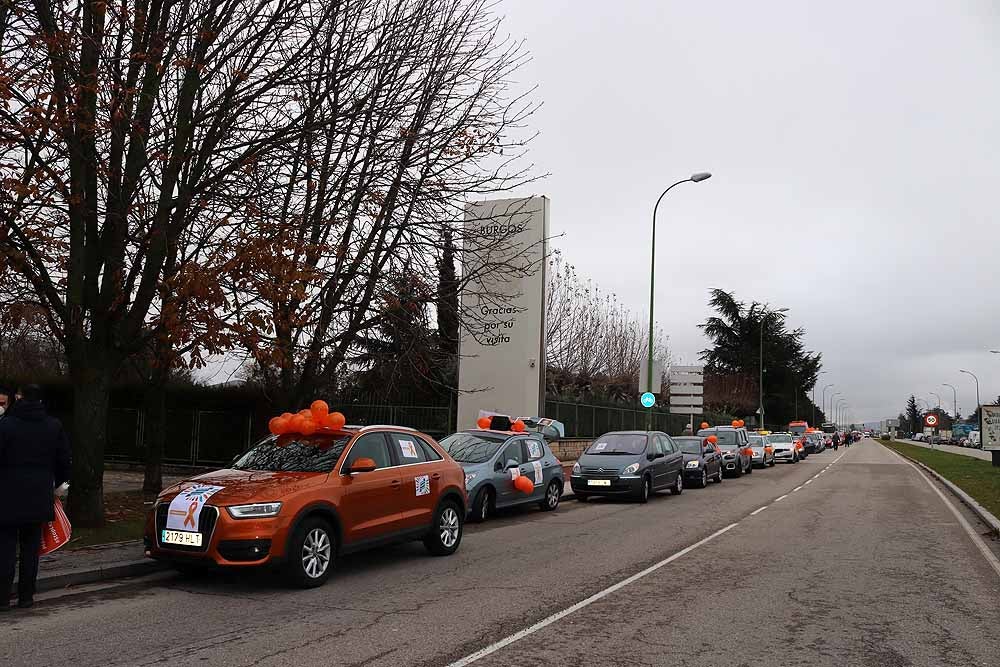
34, 460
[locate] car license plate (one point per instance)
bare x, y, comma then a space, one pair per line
182, 537
598, 482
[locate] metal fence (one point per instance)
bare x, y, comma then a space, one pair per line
214, 437
589, 421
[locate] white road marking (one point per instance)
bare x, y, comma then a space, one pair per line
758, 511
973, 535
781, 497
796, 488
545, 622
810, 481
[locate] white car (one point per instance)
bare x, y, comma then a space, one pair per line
784, 447
760, 456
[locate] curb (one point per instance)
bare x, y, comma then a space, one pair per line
118, 570
984, 514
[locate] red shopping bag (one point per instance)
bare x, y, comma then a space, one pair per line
56, 533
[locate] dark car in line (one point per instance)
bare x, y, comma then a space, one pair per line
702, 461
737, 457
633, 464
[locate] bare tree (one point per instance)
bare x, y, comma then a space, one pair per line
122, 128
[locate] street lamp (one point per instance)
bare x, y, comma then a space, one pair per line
938, 399
832, 410
954, 393
979, 405
841, 402
825, 416
760, 386
695, 178
814, 397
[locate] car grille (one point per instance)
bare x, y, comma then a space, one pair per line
206, 526
598, 470
780, 451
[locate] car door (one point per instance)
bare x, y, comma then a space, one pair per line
420, 469
538, 465
661, 472
713, 462
512, 451
370, 505
673, 459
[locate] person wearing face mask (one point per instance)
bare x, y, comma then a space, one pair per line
34, 460
5, 400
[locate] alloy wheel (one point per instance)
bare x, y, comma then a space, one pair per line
316, 552
449, 527
552, 496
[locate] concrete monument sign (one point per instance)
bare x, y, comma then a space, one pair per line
502, 364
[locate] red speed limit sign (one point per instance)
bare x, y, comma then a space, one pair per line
930, 420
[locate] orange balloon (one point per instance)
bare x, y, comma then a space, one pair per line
295, 424
286, 415
319, 409
704, 424
305, 412
484, 422
741, 423
517, 426
523, 484
735, 423
275, 426
713, 439
308, 427
335, 420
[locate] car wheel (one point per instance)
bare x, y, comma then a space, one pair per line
678, 487
718, 477
795, 458
750, 467
739, 471
446, 531
482, 506
645, 490
772, 461
311, 554
704, 479
552, 495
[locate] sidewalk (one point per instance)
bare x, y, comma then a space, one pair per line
87, 565
964, 451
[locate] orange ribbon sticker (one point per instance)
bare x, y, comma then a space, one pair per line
190, 514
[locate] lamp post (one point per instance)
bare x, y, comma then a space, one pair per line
814, 397
979, 406
695, 178
841, 402
832, 411
825, 416
760, 384
938, 399
954, 394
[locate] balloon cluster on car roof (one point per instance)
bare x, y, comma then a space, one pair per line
486, 423
307, 422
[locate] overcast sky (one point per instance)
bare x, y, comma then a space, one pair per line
854, 148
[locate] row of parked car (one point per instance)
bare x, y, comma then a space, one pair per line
317, 489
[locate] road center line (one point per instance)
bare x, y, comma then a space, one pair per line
796, 488
810, 481
758, 511
545, 622
781, 497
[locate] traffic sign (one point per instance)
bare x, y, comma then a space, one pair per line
930, 420
648, 400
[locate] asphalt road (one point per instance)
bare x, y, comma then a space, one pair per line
860, 563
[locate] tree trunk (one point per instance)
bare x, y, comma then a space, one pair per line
154, 433
91, 397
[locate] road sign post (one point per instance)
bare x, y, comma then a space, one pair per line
931, 422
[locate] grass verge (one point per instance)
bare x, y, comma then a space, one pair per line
124, 516
976, 477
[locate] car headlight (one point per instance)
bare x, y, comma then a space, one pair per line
576, 468
469, 477
254, 511
693, 464
631, 470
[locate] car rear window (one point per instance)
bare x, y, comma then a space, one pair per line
726, 437
689, 445
756, 440
472, 447
294, 453
619, 443
781, 438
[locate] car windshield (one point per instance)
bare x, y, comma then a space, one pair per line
689, 445
472, 447
781, 438
756, 440
726, 437
294, 453
619, 443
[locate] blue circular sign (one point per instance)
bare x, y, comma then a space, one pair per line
647, 400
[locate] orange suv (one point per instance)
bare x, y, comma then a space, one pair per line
299, 501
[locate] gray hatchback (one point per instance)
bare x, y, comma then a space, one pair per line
492, 460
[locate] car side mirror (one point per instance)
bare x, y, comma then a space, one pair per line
650, 456
658, 455
363, 465
511, 463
